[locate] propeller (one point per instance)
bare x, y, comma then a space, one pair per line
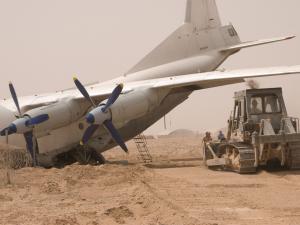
100, 115
24, 124
15, 98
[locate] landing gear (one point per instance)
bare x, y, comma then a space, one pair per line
84, 155
87, 156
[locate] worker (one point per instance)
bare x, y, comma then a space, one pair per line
221, 136
206, 141
254, 108
207, 137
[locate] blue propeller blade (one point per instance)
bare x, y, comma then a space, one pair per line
83, 91
12, 129
113, 97
88, 134
115, 135
15, 97
31, 148
29, 142
37, 120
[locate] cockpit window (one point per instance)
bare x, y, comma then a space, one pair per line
272, 104
256, 105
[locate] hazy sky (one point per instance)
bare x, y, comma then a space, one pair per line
44, 43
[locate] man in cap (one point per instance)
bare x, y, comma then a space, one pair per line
207, 137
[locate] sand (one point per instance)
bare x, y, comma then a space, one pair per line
174, 190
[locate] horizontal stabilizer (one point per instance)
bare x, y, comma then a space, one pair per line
255, 43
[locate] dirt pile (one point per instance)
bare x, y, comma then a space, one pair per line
182, 133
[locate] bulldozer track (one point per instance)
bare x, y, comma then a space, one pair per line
247, 158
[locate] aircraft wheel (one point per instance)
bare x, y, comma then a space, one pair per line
88, 156
97, 157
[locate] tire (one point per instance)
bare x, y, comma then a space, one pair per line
97, 157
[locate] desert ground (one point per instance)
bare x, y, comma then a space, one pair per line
176, 189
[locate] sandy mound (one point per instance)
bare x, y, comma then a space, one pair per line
182, 133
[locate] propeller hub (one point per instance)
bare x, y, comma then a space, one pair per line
21, 125
18, 126
90, 118
98, 116
24, 124
101, 115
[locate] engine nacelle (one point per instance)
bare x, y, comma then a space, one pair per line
133, 105
61, 114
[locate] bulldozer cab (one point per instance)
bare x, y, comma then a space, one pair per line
254, 105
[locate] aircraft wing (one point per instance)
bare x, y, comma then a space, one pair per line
219, 78
193, 81
100, 92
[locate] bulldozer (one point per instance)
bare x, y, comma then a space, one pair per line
259, 133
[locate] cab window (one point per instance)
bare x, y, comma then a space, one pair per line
272, 104
265, 104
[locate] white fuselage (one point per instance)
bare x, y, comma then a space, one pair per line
143, 105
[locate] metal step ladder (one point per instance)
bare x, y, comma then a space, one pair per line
142, 146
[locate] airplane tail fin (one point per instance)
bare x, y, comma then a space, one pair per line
203, 14
202, 31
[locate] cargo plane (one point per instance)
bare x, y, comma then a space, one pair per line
91, 119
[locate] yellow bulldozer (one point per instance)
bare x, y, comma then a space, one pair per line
260, 133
